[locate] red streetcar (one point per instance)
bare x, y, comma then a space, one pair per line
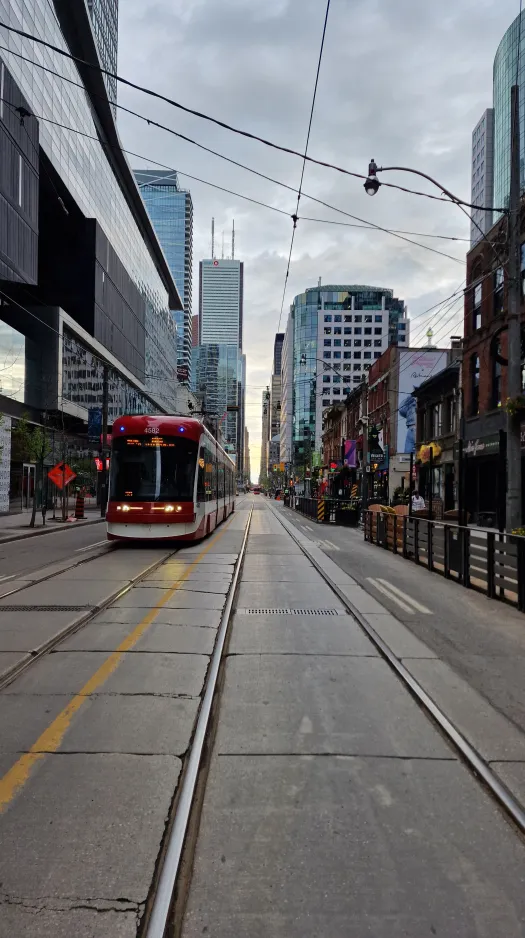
169, 479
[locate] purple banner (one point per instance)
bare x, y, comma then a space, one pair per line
350, 454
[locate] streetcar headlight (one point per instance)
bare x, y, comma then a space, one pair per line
169, 508
125, 508
179, 507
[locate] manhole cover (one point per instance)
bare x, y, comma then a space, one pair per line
45, 608
290, 612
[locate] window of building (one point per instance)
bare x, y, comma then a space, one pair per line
367, 354
347, 343
367, 343
337, 379
496, 376
327, 330
2, 88
358, 331
378, 319
347, 367
377, 332
326, 402
498, 292
523, 269
327, 343
357, 354
337, 343
357, 343
377, 343
368, 331
347, 354
377, 354
436, 420
474, 384
348, 319
328, 319
337, 354
357, 367
347, 331
337, 330
337, 318
356, 379
402, 326
476, 306
20, 178
367, 367
327, 354
451, 412
326, 379
368, 319
358, 319
336, 390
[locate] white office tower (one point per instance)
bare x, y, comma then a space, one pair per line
221, 285
482, 187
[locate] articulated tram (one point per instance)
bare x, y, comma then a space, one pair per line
169, 479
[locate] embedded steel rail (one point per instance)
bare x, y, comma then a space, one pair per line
164, 891
470, 756
9, 675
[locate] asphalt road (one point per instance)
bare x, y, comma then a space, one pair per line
35, 553
483, 640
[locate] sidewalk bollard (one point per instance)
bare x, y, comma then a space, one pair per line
320, 510
79, 508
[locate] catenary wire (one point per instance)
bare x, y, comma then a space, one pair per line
295, 216
223, 124
221, 156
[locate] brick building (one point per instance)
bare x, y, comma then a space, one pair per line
484, 373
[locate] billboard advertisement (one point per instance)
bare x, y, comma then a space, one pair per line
350, 453
415, 366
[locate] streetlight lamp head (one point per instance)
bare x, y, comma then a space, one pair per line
372, 182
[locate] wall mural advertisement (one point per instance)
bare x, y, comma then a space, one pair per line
415, 366
350, 453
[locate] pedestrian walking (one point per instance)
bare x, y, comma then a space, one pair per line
418, 502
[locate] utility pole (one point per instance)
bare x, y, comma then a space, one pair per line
513, 514
104, 444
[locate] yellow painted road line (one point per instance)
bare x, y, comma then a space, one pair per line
51, 738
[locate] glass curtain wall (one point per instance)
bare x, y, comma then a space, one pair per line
505, 74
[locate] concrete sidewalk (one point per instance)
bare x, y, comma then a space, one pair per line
333, 807
16, 526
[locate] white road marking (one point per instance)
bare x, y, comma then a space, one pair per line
406, 597
333, 546
308, 528
390, 595
10, 577
91, 546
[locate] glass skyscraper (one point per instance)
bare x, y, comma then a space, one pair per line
334, 335
171, 211
104, 16
218, 380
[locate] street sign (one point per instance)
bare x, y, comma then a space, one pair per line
61, 474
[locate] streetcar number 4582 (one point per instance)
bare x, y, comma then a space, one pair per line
152, 430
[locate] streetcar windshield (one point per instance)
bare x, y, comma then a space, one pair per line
152, 469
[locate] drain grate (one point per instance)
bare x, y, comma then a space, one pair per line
45, 608
290, 612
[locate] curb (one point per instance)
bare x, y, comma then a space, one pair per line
46, 530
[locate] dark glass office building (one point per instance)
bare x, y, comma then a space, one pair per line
171, 211
83, 277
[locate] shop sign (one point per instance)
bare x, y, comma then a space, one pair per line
485, 446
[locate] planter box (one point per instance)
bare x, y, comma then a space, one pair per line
349, 517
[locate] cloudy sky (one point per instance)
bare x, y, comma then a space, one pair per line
403, 81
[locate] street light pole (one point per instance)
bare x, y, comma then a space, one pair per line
514, 381
514, 376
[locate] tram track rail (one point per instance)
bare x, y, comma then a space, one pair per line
470, 757
11, 674
184, 816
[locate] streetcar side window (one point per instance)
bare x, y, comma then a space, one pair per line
201, 476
